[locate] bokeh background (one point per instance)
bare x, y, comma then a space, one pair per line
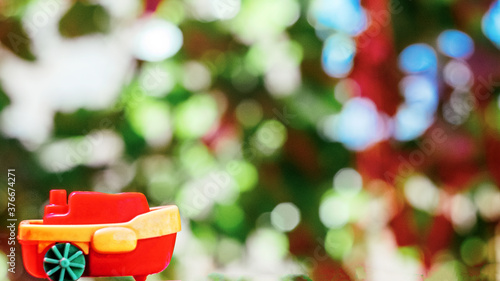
320, 139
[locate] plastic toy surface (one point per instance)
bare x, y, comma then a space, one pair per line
99, 234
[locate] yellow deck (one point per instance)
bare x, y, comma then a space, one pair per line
158, 222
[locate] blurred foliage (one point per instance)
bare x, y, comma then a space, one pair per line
296, 278
14, 37
83, 19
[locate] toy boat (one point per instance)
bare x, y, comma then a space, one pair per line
97, 234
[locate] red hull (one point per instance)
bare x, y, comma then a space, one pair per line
151, 256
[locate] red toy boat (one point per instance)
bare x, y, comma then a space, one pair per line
99, 234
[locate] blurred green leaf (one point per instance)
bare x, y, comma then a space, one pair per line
296, 278
14, 37
4, 99
10, 8
84, 19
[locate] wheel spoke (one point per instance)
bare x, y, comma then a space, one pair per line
77, 265
64, 262
56, 251
66, 250
61, 277
53, 270
71, 273
49, 260
77, 254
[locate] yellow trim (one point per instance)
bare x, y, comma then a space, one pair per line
83, 246
112, 240
158, 222
42, 246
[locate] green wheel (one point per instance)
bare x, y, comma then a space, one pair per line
64, 262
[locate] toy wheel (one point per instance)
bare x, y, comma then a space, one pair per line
64, 262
